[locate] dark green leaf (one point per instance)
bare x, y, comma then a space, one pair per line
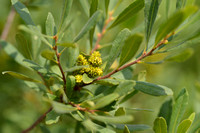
89, 25
66, 44
51, 118
127, 13
132, 128
71, 82
110, 119
116, 47
126, 130
130, 48
50, 28
160, 125
173, 22
35, 66
150, 12
178, 110
62, 108
166, 111
86, 79
181, 57
21, 76
93, 9
152, 89
120, 111
184, 126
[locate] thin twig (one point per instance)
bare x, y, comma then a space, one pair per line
37, 121
100, 35
58, 62
144, 55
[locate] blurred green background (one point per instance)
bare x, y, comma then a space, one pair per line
21, 106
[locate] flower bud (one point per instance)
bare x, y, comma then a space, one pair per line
95, 59
79, 79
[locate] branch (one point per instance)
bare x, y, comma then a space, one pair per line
144, 55
100, 35
37, 121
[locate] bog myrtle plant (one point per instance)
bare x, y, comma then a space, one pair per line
91, 86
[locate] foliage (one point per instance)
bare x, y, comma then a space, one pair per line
86, 80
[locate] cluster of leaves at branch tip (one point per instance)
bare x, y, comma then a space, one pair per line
94, 62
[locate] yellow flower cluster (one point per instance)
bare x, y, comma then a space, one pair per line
94, 61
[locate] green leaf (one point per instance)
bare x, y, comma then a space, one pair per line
116, 47
130, 48
65, 12
152, 89
182, 56
139, 109
34, 31
35, 66
62, 108
184, 126
75, 68
126, 130
120, 111
195, 125
71, 82
180, 4
173, 22
51, 96
127, 13
22, 45
150, 12
23, 12
21, 76
125, 87
86, 79
106, 100
48, 54
109, 82
89, 25
106, 6
127, 97
132, 128
178, 110
50, 28
142, 75
12, 52
110, 119
77, 115
66, 44
51, 118
72, 54
192, 116
166, 111
160, 125
93, 9
167, 8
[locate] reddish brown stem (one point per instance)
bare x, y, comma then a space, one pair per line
100, 35
37, 121
144, 55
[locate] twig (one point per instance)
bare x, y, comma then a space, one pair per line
144, 55
8, 24
82, 109
100, 35
37, 121
58, 62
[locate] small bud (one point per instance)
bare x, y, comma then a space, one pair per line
165, 42
95, 59
81, 60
